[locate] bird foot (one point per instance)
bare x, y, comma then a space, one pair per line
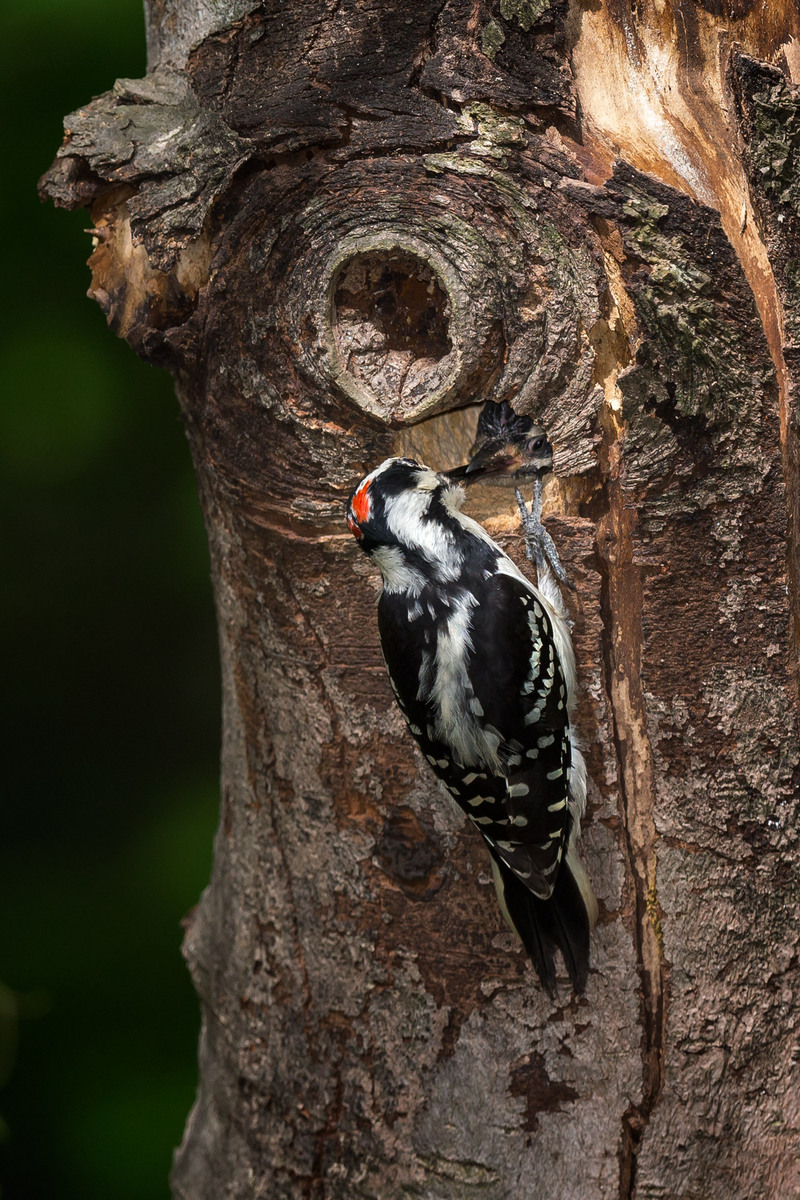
539, 546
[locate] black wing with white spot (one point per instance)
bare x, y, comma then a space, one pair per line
513, 667
522, 690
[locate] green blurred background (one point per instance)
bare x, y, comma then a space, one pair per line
111, 685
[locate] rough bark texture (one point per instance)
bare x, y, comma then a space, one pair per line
341, 225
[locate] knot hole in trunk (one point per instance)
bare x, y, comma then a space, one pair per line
391, 324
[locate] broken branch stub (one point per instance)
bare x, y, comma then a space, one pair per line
505, 272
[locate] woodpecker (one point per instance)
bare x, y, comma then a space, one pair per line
506, 444
482, 667
512, 446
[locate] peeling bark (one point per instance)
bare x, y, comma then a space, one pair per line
341, 227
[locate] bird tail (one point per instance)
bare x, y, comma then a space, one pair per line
563, 922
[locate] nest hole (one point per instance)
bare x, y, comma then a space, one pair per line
391, 321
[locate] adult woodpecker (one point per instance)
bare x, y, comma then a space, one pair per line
482, 666
513, 447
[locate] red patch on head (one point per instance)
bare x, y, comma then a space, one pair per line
358, 510
353, 527
360, 504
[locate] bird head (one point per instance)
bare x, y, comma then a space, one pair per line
506, 444
404, 504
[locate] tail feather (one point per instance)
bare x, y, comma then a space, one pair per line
562, 922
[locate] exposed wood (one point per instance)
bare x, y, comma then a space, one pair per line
342, 226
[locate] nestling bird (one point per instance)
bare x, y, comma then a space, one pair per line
506, 444
512, 446
482, 666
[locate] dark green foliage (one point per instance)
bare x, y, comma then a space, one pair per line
110, 678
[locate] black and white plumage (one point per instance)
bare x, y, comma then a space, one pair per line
482, 666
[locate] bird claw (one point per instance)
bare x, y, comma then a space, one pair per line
539, 546
532, 527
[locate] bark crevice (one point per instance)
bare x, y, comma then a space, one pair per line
622, 606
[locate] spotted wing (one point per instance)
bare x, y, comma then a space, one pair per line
519, 693
515, 673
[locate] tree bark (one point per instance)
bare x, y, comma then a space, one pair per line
342, 227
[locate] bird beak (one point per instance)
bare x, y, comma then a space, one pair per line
495, 457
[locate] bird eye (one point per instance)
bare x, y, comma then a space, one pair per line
537, 443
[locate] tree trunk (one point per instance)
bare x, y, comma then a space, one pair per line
342, 226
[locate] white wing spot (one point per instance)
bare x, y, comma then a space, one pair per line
557, 807
554, 774
518, 789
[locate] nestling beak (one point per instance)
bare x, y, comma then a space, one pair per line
497, 456
494, 457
